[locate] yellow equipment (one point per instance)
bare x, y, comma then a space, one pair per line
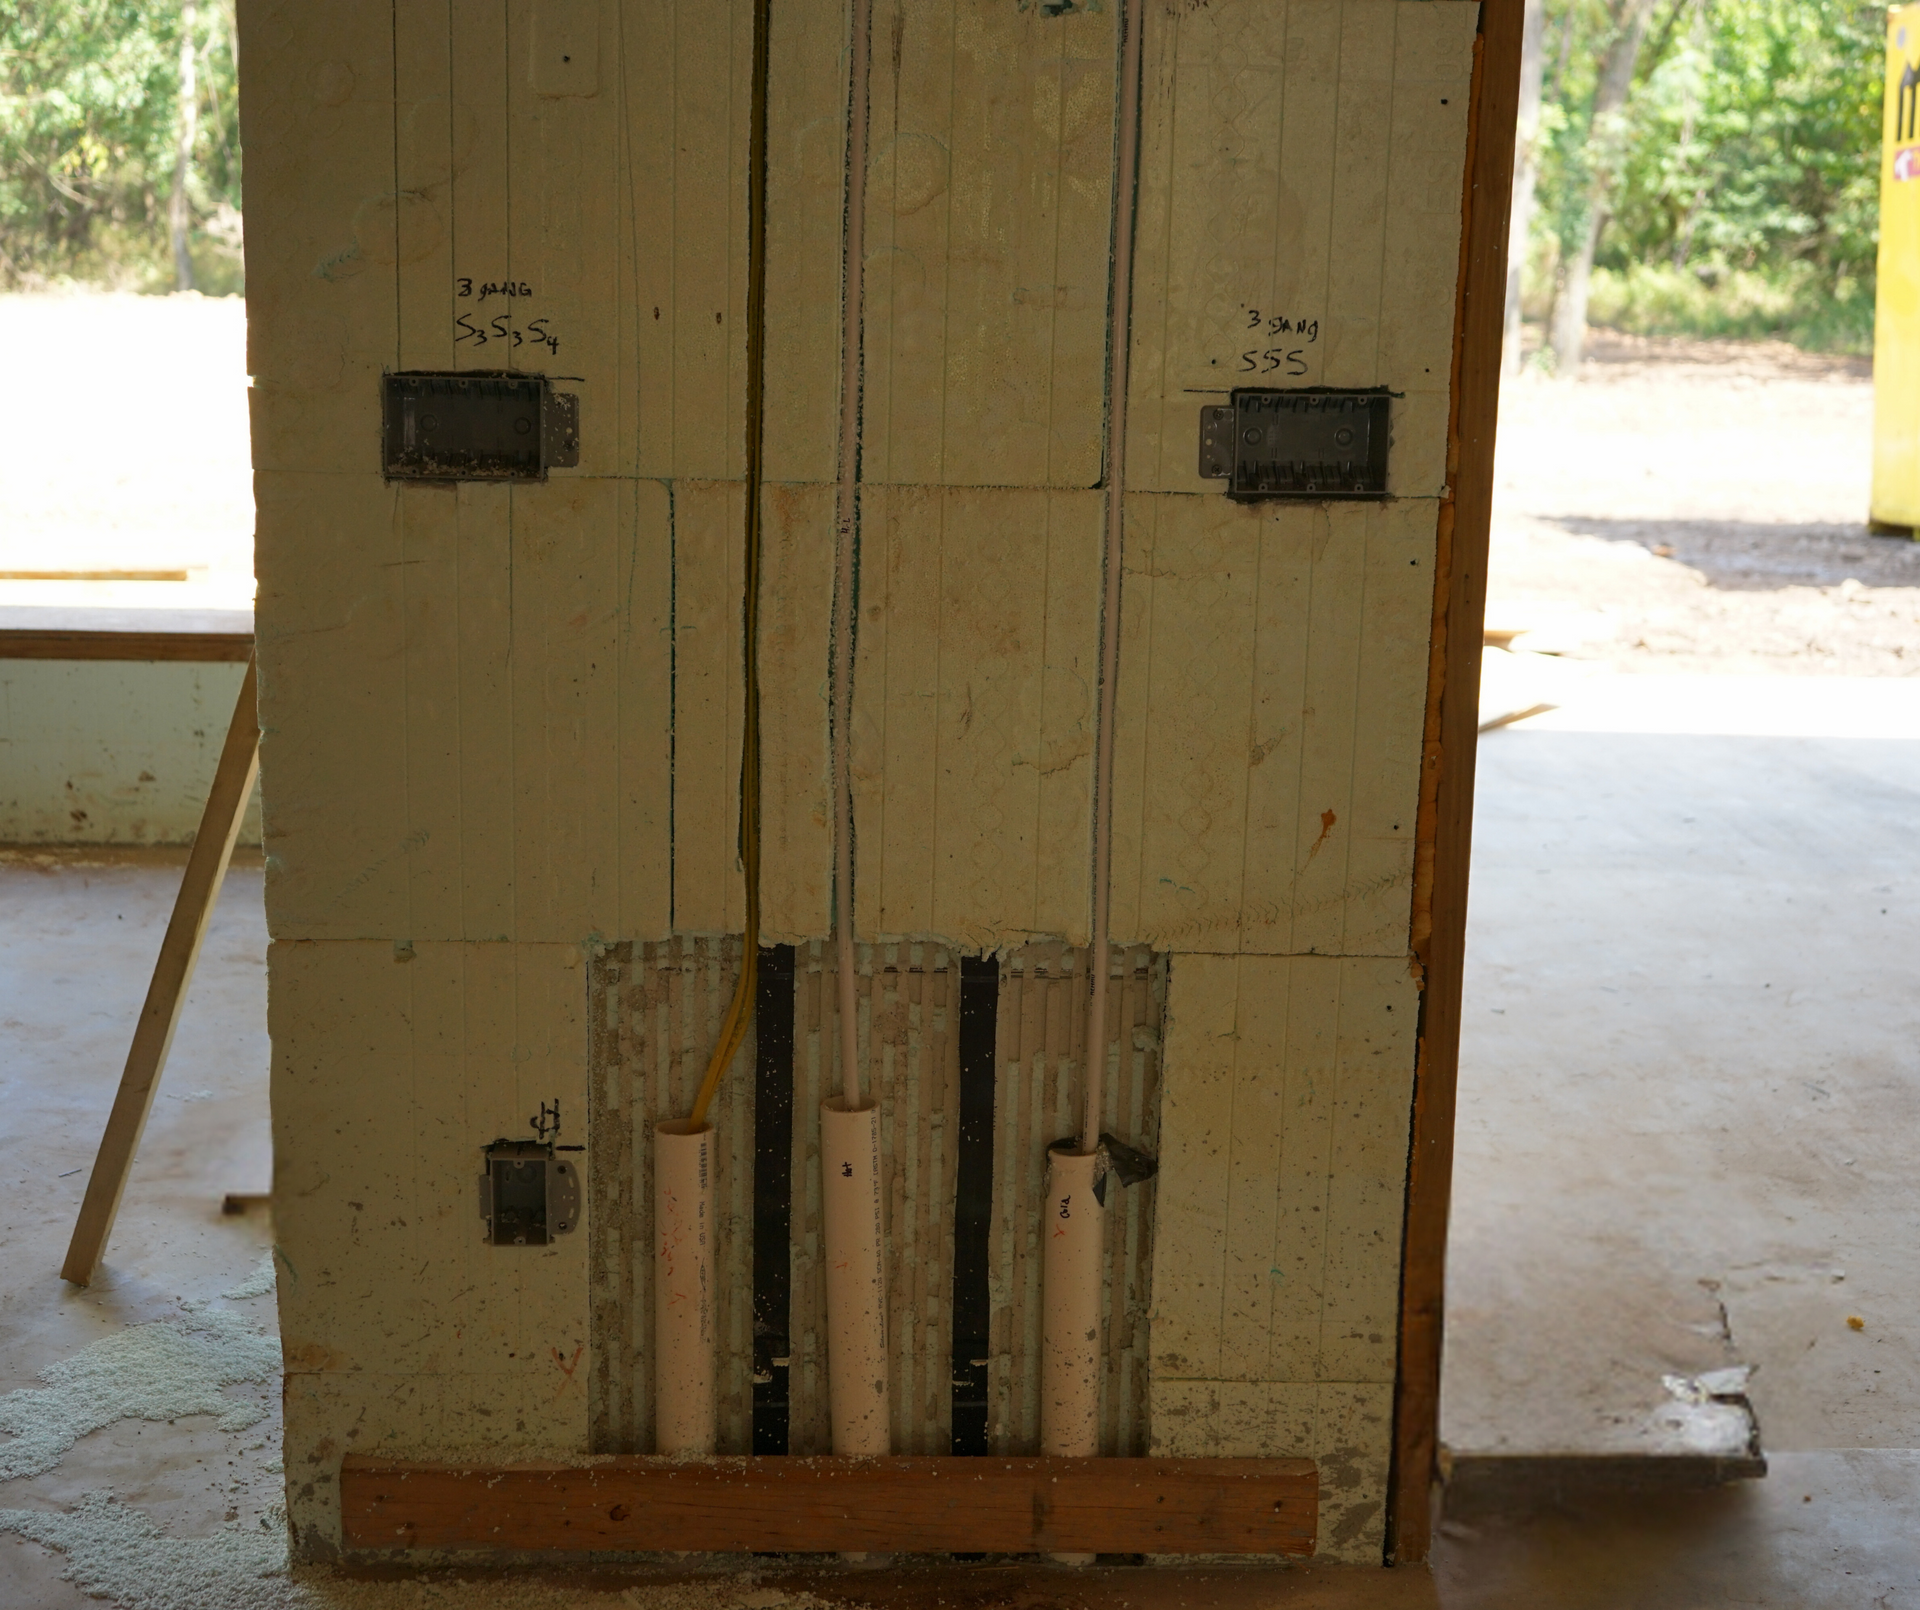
1896, 327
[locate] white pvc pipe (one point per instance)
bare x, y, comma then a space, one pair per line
684, 1412
1073, 1263
1071, 1270
856, 1278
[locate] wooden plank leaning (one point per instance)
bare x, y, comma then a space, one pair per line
179, 950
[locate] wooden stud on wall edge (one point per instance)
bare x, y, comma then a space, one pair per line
1444, 831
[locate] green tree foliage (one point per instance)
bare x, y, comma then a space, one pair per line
1747, 201
89, 93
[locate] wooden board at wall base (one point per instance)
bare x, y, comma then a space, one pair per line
828, 1505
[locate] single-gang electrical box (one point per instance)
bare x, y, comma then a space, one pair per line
1313, 443
476, 426
528, 1195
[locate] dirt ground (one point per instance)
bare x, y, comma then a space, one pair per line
1699, 506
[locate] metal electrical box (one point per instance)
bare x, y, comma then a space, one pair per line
527, 1195
476, 426
1313, 443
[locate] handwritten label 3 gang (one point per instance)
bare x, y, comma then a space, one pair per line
1290, 338
482, 329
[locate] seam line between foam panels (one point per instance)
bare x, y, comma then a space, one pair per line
1333, 185
1369, 521
1233, 1181
1170, 66
936, 884
397, 511
1326, 1199
417, 1183
946, 272
513, 659
462, 913
453, 179
1138, 875
393, 78
1301, 720
625, 827
625, 300
1038, 857
398, 517
1272, 1371
672, 255
1053, 274
673, 705
1386, 210
1272, 292
1252, 731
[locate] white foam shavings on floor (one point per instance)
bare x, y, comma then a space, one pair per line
177, 1367
116, 1552
257, 1284
160, 1371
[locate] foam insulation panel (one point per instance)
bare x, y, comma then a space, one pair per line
973, 726
989, 195
392, 1065
1300, 182
1283, 1152
502, 733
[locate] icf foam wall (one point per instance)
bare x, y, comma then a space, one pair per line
501, 724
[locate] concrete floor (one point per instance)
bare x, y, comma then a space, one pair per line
1836, 1528
78, 934
1690, 1085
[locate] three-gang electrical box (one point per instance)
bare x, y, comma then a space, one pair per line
476, 425
1313, 443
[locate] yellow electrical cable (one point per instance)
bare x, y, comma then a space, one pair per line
740, 1009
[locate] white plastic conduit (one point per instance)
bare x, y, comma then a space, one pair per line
685, 1411
683, 1332
1073, 1263
849, 1124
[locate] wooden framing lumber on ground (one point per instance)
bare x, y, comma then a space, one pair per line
832, 1505
1443, 837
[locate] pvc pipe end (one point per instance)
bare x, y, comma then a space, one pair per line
684, 1339
1073, 1289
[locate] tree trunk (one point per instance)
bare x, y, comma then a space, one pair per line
1526, 169
178, 217
1606, 141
